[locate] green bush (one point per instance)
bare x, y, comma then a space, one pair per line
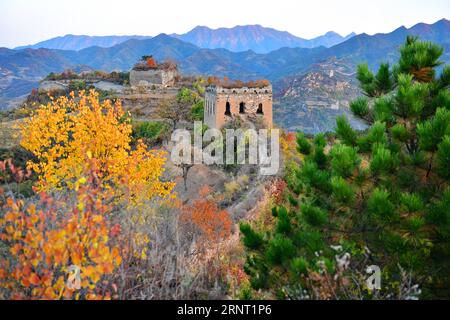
252, 239
77, 85
151, 132
197, 111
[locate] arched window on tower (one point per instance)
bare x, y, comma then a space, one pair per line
228, 109
260, 109
242, 107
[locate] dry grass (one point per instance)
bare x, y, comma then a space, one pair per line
9, 133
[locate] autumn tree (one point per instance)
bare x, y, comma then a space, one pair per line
61, 246
151, 63
65, 134
96, 191
180, 107
379, 197
211, 223
169, 109
198, 103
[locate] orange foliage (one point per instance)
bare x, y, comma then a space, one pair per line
87, 170
151, 63
213, 224
48, 237
291, 137
288, 144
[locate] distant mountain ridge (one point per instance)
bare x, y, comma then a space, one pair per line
240, 38
80, 42
329, 39
256, 38
21, 70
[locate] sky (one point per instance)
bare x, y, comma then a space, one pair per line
24, 22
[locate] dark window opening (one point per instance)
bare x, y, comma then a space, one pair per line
228, 109
242, 107
260, 109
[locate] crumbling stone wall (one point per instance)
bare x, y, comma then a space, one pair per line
223, 104
142, 104
157, 77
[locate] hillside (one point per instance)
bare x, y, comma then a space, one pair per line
311, 101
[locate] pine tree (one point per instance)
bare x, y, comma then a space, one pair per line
383, 195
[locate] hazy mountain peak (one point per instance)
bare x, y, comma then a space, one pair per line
254, 37
443, 22
201, 28
80, 42
22, 68
162, 36
332, 33
402, 28
239, 38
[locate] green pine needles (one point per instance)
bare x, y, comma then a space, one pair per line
379, 197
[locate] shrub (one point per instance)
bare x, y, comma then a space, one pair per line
59, 246
234, 187
150, 132
213, 224
197, 111
252, 239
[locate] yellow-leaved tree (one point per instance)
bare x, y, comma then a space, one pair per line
94, 188
70, 131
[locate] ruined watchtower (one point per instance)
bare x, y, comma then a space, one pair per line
150, 73
225, 100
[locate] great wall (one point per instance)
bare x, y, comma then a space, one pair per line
150, 83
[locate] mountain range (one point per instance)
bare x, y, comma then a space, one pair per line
75, 42
256, 38
240, 38
287, 68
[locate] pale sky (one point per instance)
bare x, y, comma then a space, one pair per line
25, 22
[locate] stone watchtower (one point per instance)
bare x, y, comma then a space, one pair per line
251, 101
150, 73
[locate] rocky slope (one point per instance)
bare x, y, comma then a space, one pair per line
311, 101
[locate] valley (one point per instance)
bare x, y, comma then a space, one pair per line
224, 163
292, 70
